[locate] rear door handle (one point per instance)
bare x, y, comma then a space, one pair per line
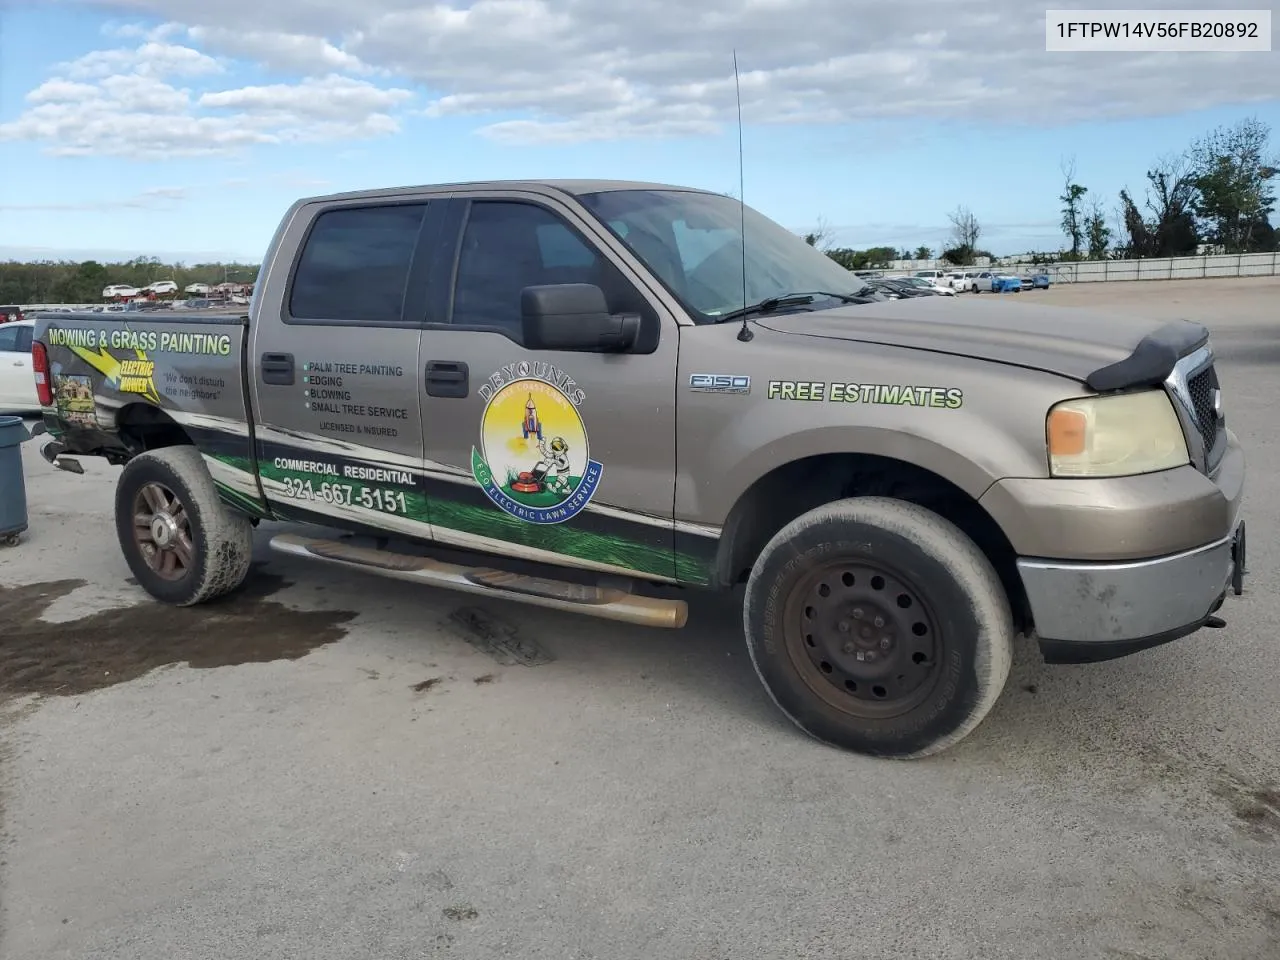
277, 369
448, 379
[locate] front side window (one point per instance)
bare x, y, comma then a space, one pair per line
355, 264
509, 245
693, 242
8, 339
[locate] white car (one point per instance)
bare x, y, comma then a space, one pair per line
966, 281
162, 287
119, 290
17, 382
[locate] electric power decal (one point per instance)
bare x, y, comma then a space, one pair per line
533, 461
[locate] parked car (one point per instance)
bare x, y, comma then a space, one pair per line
933, 276
1005, 283
17, 382
1035, 280
922, 283
10, 312
575, 409
898, 290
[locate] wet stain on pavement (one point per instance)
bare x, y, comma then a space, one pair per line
1256, 808
119, 645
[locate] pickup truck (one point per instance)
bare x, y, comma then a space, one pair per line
587, 395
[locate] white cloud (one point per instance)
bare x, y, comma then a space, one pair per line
125, 102
153, 59
152, 198
287, 52
574, 70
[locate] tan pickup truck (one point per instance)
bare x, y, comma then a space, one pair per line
585, 394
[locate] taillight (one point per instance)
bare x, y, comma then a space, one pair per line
40, 366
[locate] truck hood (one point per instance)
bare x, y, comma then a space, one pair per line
1104, 350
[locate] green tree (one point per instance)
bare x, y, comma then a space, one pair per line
1233, 170
1170, 229
923, 253
965, 231
70, 282
1097, 233
1072, 199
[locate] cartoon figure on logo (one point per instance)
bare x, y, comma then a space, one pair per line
523, 473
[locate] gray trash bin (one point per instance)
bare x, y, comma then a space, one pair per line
13, 485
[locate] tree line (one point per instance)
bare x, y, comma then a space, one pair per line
1218, 192
66, 281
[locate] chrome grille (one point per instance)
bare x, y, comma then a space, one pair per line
1194, 383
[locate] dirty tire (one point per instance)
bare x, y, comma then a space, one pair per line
218, 542
936, 664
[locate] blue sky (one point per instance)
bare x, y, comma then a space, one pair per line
116, 155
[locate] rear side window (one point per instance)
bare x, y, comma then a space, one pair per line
24, 339
355, 264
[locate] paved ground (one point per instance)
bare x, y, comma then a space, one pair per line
387, 791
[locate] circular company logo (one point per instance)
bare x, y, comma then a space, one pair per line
533, 461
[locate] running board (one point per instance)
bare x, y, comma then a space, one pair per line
607, 603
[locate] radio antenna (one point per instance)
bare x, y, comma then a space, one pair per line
744, 332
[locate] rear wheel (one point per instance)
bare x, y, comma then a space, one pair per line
877, 626
182, 544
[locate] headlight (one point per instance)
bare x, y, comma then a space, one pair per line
1115, 435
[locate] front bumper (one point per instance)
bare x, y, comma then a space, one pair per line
1087, 612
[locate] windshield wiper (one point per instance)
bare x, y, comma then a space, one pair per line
770, 304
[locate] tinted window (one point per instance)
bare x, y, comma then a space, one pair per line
8, 337
355, 264
24, 339
508, 246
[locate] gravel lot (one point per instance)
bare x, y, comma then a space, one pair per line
324, 768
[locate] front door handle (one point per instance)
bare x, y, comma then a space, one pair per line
448, 379
277, 369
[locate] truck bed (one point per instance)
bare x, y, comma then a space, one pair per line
116, 376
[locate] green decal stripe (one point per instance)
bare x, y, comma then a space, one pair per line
243, 464
416, 503
234, 498
488, 521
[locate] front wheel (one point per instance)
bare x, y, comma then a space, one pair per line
182, 544
877, 626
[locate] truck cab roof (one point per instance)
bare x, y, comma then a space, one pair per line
573, 187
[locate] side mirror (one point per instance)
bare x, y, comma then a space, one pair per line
574, 316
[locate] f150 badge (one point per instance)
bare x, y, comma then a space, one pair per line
534, 461
719, 383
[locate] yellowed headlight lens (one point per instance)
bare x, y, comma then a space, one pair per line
1115, 435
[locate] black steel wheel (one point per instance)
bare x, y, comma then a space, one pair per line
863, 637
878, 626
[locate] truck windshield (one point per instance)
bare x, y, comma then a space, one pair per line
693, 243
